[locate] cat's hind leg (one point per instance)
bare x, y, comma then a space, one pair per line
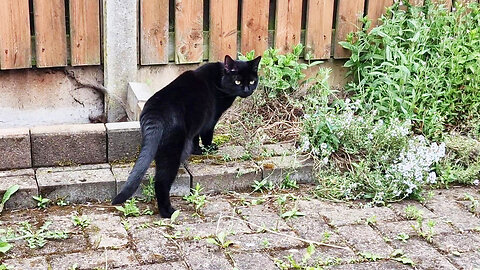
167, 163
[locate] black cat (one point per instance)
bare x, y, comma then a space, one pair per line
175, 117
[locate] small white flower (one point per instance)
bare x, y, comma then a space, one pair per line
325, 160
476, 182
370, 136
432, 178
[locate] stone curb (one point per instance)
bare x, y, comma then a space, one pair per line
101, 182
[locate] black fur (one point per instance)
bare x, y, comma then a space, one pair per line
176, 117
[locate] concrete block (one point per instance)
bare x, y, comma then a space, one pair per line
124, 141
28, 187
15, 148
180, 187
137, 92
78, 185
299, 168
220, 178
138, 110
68, 145
278, 149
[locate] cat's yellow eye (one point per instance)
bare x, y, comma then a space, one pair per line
238, 82
252, 82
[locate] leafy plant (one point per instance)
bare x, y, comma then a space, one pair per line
420, 64
41, 202
195, 198
412, 212
38, 238
148, 190
6, 196
129, 208
473, 202
371, 220
262, 185
370, 256
220, 240
289, 183
291, 263
403, 237
292, 213
81, 221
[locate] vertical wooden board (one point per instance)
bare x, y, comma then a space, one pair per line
50, 33
349, 13
288, 24
153, 32
254, 27
318, 37
223, 29
465, 2
188, 31
15, 42
447, 3
416, 2
85, 32
376, 9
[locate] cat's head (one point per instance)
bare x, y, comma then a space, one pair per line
240, 78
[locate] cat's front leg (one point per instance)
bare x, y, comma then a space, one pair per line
207, 138
196, 150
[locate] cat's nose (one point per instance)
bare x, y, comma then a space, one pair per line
246, 89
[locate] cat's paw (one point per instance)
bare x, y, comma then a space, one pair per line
166, 212
197, 151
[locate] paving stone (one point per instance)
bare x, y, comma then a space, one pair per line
380, 265
314, 229
35, 263
160, 266
457, 242
180, 187
468, 260
261, 216
424, 255
393, 229
210, 229
152, 246
316, 208
264, 241
213, 210
106, 231
365, 239
449, 211
93, 259
77, 186
298, 168
323, 256
25, 178
358, 216
226, 177
252, 261
235, 152
124, 141
204, 256
278, 149
399, 209
68, 144
15, 148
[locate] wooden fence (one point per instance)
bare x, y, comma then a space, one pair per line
184, 31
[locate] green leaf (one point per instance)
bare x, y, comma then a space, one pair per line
10, 191
212, 241
174, 216
4, 247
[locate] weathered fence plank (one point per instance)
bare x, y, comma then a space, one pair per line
188, 31
15, 42
50, 33
416, 2
254, 27
153, 32
223, 29
376, 9
348, 20
447, 3
318, 38
288, 24
465, 2
85, 32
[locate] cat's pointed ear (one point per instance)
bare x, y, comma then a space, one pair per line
229, 64
255, 62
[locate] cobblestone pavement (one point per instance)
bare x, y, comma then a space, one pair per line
260, 231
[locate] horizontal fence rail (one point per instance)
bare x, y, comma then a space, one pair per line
36, 32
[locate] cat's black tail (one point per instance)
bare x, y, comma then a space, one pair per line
151, 140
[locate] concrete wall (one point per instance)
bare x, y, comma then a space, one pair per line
32, 97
